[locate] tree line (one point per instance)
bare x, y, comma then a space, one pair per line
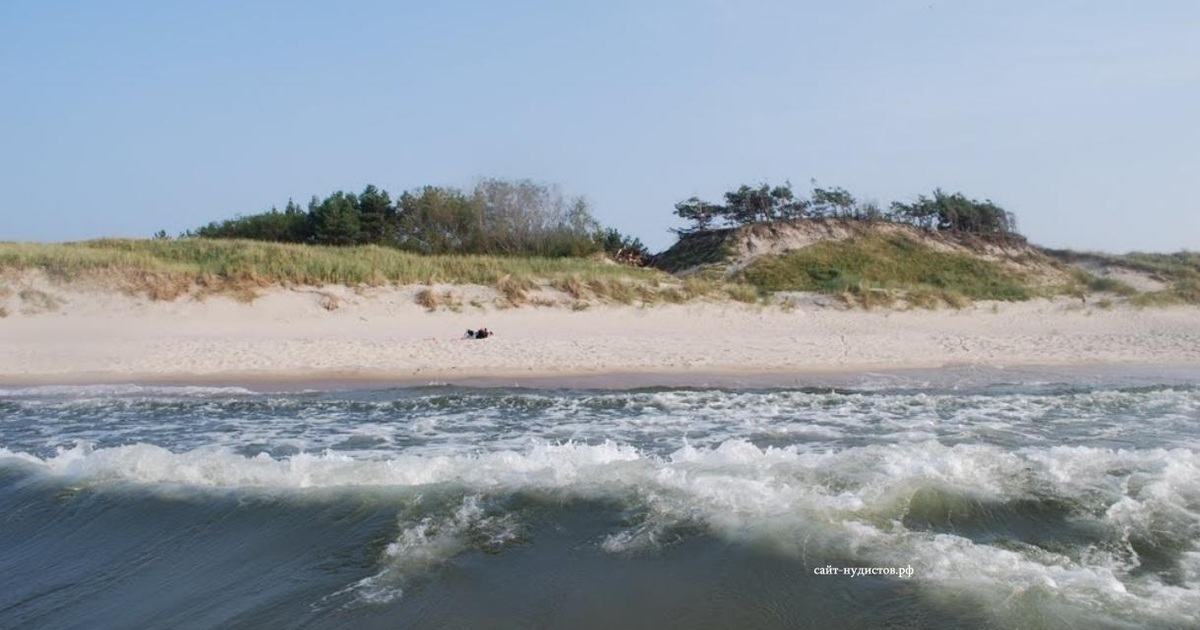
747, 205
496, 217
524, 218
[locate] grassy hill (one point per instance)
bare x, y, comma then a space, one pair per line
886, 264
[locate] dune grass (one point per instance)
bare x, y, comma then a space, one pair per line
1177, 293
1179, 266
166, 269
1102, 284
1179, 272
299, 264
874, 270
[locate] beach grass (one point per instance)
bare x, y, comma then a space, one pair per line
876, 270
1102, 284
1177, 266
869, 271
166, 269
1179, 273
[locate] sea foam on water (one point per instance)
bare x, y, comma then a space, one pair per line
1008, 500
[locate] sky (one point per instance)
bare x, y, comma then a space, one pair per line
125, 117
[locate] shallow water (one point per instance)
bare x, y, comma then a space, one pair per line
1024, 504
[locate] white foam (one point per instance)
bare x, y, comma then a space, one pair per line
849, 503
423, 545
469, 422
696, 458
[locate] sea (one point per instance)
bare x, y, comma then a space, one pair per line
943, 499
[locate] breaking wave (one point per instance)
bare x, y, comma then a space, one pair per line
1077, 507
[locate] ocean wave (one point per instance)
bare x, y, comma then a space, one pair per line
425, 542
1081, 505
874, 505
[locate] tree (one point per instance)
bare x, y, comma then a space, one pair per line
832, 202
269, 226
869, 211
743, 206
524, 217
377, 216
438, 220
701, 213
335, 220
748, 205
502, 217
787, 206
622, 248
955, 213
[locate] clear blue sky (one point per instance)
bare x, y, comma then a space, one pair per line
126, 117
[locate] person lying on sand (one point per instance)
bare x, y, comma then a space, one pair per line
482, 333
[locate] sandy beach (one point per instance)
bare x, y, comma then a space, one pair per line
381, 335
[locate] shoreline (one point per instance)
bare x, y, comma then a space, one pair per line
879, 377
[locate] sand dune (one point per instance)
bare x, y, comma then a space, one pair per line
382, 334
